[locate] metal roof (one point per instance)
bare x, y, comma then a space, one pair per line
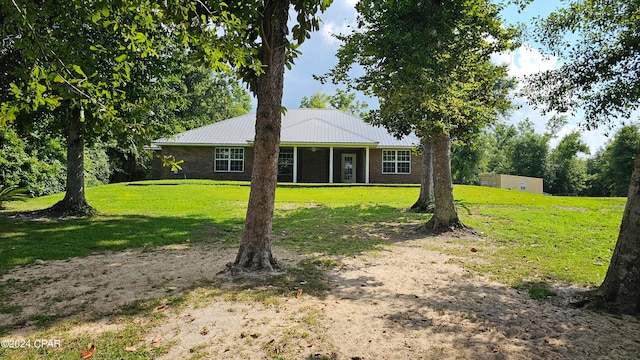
299, 127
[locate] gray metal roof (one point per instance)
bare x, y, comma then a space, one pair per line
299, 127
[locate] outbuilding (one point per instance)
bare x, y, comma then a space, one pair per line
513, 182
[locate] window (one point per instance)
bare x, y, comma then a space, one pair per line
229, 160
285, 162
396, 162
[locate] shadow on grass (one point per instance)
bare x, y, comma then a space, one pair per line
346, 230
25, 241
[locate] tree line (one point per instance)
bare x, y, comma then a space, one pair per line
567, 169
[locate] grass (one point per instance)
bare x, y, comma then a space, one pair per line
527, 236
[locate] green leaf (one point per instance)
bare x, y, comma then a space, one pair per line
78, 69
58, 79
15, 90
121, 58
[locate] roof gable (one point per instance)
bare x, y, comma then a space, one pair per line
299, 126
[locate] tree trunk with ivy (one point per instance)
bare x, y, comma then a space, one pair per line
445, 216
74, 201
424, 203
255, 249
620, 291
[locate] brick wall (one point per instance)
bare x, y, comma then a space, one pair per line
198, 164
312, 166
376, 175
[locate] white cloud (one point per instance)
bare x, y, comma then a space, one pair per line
351, 3
328, 29
525, 60
340, 18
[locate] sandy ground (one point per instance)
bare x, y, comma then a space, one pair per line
403, 302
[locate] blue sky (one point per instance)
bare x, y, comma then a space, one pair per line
318, 56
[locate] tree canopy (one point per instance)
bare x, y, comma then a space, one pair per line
341, 100
600, 76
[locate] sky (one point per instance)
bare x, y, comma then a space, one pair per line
318, 57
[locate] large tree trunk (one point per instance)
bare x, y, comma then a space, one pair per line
255, 249
425, 200
74, 202
445, 217
620, 290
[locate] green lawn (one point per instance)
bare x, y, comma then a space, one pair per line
525, 236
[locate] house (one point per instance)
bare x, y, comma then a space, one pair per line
513, 182
317, 146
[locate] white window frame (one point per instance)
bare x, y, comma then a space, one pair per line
395, 161
229, 159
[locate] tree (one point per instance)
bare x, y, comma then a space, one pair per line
599, 76
470, 160
618, 157
341, 100
183, 96
528, 152
274, 51
428, 63
500, 142
567, 174
316, 101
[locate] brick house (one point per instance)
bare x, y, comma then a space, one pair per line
316, 146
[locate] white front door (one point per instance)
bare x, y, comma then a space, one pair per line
348, 168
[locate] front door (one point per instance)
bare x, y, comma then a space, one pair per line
348, 168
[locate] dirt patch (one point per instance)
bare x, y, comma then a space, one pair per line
401, 302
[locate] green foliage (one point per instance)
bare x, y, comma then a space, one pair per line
517, 150
12, 193
316, 101
428, 63
35, 162
96, 166
610, 169
598, 43
341, 100
529, 151
470, 160
566, 173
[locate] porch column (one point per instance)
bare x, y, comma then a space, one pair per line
295, 164
330, 164
366, 165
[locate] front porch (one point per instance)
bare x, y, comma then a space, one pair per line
324, 164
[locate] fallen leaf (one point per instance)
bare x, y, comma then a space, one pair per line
157, 339
474, 250
162, 308
130, 348
89, 353
299, 293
